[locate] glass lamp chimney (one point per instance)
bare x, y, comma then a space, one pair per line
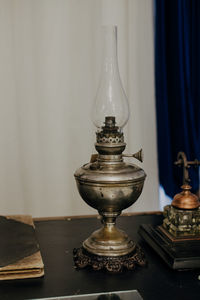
111, 100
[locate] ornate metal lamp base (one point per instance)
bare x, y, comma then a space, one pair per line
112, 264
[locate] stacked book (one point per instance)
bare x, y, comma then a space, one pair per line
20, 255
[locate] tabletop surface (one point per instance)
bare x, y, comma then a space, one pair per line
57, 238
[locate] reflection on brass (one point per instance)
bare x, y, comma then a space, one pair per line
110, 185
185, 199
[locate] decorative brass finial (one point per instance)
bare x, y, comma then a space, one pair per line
185, 199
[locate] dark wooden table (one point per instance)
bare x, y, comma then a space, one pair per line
57, 239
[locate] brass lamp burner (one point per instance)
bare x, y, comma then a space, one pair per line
109, 185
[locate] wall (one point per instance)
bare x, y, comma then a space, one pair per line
50, 54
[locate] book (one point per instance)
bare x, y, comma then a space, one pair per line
20, 255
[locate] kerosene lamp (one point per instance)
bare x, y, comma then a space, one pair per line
177, 239
107, 183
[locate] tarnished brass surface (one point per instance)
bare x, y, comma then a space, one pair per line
110, 185
109, 241
110, 148
110, 195
138, 155
181, 222
185, 199
109, 171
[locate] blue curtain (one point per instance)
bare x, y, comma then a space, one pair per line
177, 71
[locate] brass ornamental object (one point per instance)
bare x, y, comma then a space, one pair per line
185, 199
182, 217
177, 239
109, 185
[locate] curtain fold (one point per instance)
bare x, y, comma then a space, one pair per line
177, 70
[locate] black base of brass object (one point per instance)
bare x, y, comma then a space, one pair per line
83, 258
178, 253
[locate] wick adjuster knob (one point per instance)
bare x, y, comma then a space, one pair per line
138, 155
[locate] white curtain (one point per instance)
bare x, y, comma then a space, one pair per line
50, 55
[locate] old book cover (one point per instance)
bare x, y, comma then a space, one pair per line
20, 255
